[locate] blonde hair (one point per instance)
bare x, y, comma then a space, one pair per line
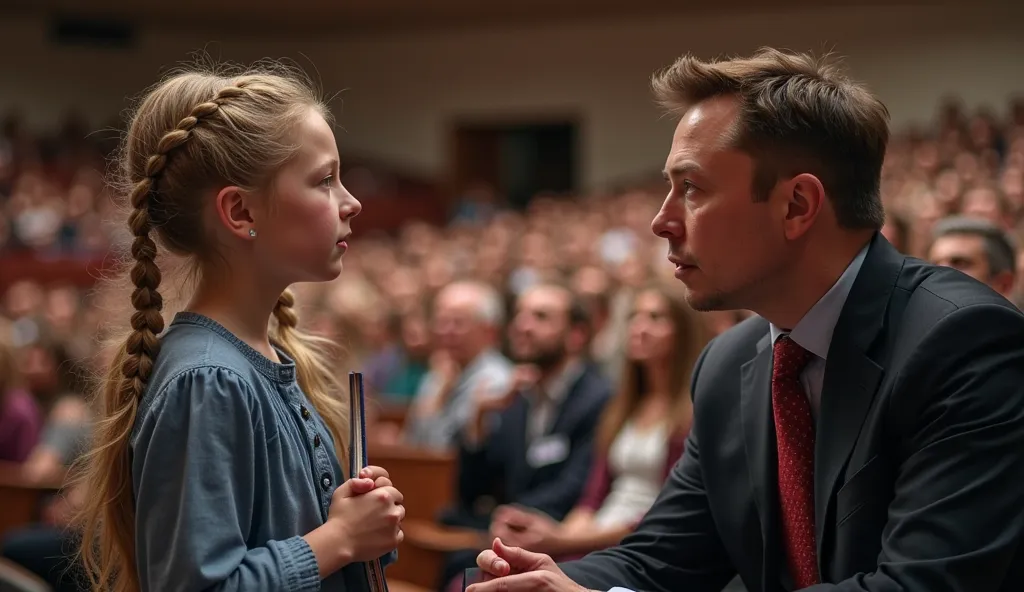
197, 130
691, 335
10, 377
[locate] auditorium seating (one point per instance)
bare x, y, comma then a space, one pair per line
21, 500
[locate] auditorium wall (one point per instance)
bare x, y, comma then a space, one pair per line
401, 91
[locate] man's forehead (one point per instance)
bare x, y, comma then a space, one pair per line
957, 244
704, 129
547, 298
712, 119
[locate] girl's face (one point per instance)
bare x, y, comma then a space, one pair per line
301, 237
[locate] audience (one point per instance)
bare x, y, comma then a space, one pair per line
639, 439
20, 420
533, 445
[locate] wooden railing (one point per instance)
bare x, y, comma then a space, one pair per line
21, 500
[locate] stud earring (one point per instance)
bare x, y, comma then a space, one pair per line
252, 232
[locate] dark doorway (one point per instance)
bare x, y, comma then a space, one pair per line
518, 160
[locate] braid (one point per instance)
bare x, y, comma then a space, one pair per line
147, 322
284, 311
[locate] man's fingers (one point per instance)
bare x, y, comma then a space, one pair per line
489, 563
524, 582
519, 558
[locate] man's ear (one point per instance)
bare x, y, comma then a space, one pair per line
804, 200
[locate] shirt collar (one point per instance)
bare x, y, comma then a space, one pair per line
814, 331
559, 385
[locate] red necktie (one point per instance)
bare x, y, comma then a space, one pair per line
794, 432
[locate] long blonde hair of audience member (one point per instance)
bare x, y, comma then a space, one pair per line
9, 375
193, 130
690, 337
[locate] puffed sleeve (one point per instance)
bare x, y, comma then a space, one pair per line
194, 478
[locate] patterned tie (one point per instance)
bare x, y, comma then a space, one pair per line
794, 432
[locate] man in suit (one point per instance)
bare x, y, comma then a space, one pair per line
864, 432
532, 447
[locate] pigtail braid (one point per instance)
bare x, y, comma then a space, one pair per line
315, 375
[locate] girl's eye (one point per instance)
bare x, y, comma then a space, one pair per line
327, 181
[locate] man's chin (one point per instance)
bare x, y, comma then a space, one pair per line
703, 302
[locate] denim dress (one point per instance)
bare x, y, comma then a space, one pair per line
231, 466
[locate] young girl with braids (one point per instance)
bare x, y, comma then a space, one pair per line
216, 465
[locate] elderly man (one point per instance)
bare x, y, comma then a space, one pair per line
467, 324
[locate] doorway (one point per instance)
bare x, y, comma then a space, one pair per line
517, 160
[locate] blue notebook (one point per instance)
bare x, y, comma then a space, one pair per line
357, 460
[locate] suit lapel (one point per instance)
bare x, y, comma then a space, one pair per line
759, 444
520, 471
564, 413
851, 375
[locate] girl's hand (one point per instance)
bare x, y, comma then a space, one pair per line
367, 518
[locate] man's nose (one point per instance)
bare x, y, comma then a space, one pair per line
668, 223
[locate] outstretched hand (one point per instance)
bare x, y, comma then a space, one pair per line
512, 569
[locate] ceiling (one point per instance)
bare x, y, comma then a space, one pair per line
319, 16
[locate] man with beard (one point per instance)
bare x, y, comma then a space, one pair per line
533, 446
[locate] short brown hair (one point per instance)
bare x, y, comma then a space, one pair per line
799, 114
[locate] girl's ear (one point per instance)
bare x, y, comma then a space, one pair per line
233, 211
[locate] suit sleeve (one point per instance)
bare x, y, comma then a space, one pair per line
476, 471
676, 545
955, 522
194, 473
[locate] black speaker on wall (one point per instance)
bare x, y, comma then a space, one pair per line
92, 32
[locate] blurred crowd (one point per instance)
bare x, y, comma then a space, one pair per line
954, 194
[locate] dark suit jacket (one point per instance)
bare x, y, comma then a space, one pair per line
500, 468
919, 458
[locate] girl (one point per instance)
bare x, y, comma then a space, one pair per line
639, 439
216, 463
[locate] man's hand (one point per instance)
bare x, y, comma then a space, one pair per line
446, 371
530, 530
511, 569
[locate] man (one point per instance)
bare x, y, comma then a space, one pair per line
467, 323
978, 248
533, 447
865, 432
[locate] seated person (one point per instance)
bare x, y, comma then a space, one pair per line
978, 248
466, 363
534, 445
48, 549
20, 420
639, 440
